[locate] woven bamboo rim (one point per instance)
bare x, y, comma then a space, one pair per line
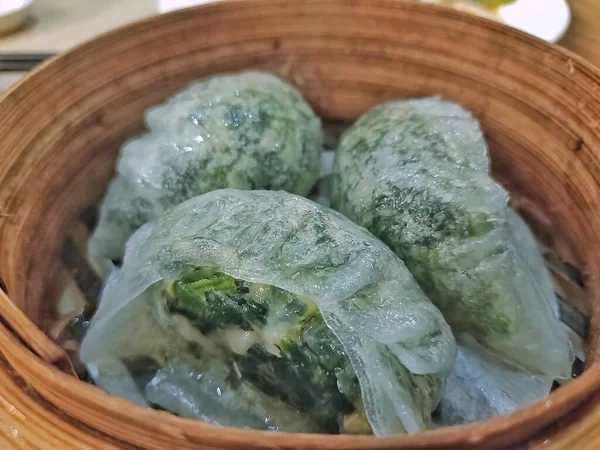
61, 126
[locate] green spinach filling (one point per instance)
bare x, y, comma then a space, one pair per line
277, 341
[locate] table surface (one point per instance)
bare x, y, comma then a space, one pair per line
57, 25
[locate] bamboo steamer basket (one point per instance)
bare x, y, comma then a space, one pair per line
61, 128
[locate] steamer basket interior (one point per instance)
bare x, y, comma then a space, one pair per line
61, 129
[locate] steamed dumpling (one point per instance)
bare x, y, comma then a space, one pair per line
416, 174
263, 309
244, 131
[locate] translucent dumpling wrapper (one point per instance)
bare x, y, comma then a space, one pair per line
482, 386
244, 131
531, 255
239, 302
416, 174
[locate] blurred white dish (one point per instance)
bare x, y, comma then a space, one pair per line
545, 19
171, 5
13, 14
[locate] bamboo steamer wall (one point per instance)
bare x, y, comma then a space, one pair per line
61, 127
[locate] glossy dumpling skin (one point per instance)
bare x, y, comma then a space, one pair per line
416, 174
482, 386
270, 245
245, 131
